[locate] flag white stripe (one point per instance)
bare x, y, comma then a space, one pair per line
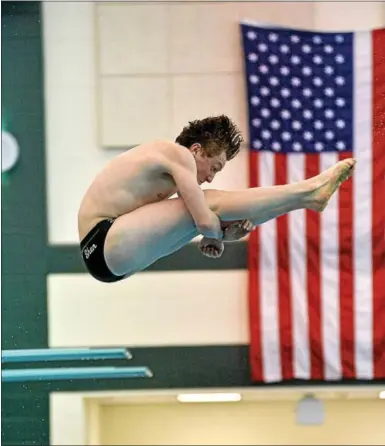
329, 281
269, 282
362, 215
297, 253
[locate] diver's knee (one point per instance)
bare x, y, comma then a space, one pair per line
213, 198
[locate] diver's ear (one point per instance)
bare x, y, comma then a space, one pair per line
196, 148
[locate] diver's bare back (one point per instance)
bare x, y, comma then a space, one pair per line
131, 180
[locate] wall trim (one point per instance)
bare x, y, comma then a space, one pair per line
66, 259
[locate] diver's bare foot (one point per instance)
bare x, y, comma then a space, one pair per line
327, 182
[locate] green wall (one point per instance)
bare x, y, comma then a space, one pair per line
23, 189
24, 310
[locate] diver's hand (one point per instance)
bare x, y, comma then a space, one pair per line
211, 247
235, 230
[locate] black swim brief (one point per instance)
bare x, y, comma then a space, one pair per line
92, 247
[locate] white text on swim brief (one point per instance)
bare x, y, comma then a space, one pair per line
89, 251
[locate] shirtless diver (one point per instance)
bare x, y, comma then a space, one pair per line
127, 220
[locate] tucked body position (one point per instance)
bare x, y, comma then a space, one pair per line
128, 218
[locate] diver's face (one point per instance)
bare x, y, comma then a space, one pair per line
207, 167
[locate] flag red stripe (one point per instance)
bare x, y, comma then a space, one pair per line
254, 284
313, 260
346, 276
378, 214
284, 284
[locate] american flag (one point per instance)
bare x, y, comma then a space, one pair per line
317, 281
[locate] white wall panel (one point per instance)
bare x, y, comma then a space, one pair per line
134, 110
133, 38
149, 309
204, 38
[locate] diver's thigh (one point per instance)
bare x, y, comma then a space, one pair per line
139, 238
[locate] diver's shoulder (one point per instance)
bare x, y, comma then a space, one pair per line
167, 144
163, 151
